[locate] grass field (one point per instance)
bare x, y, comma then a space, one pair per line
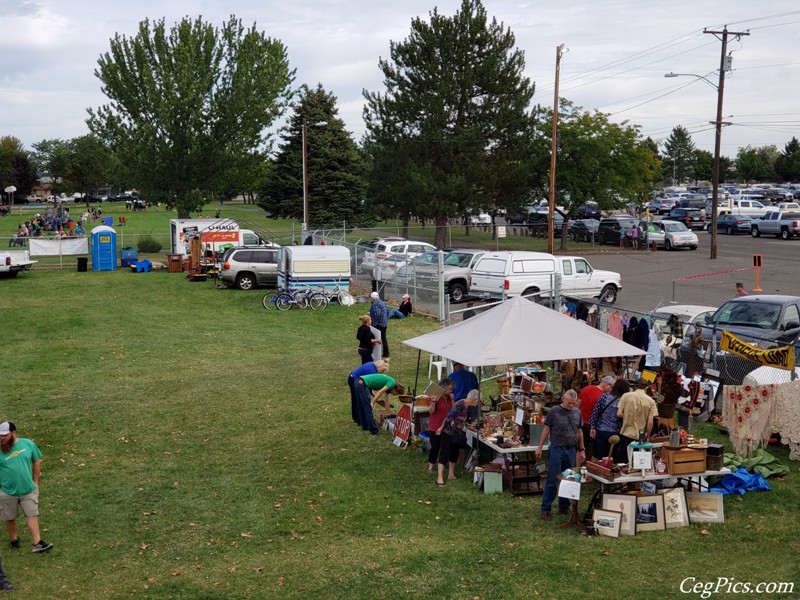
199, 446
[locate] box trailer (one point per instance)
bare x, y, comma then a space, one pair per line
304, 267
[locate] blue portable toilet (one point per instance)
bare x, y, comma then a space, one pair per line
104, 248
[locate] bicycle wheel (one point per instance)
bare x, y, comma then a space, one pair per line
344, 298
269, 299
284, 301
301, 300
317, 300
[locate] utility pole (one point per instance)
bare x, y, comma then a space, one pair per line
551, 221
724, 65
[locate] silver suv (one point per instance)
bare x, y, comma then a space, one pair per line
386, 247
250, 266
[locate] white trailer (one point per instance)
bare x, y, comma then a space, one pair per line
304, 267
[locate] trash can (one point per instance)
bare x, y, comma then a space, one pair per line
129, 256
175, 263
83, 264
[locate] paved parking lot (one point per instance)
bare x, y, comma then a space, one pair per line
647, 277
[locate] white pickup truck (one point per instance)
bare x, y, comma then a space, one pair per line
508, 274
12, 262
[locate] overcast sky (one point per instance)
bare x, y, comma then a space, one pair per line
618, 53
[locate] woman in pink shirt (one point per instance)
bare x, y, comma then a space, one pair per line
438, 411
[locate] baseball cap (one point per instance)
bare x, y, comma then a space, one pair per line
374, 295
6, 428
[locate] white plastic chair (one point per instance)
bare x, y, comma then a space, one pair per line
436, 362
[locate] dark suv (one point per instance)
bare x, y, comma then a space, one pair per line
589, 210
693, 218
249, 266
608, 232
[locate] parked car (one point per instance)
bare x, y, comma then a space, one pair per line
787, 206
249, 266
538, 222
480, 219
784, 225
688, 314
672, 234
608, 231
386, 267
661, 206
589, 210
457, 268
764, 320
383, 248
693, 201
733, 224
691, 217
584, 230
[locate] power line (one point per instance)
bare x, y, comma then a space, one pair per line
753, 20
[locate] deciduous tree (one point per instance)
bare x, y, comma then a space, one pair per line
185, 104
788, 163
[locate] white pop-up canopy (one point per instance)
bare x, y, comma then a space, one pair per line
520, 331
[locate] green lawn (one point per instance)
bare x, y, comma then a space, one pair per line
199, 446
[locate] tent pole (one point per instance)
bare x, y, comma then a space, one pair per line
416, 377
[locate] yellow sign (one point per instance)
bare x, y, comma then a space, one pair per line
104, 239
780, 358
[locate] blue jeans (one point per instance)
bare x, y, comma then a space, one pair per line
367, 420
396, 314
560, 459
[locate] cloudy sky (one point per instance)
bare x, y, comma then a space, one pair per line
618, 53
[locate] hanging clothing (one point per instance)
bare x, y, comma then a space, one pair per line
653, 350
786, 417
746, 411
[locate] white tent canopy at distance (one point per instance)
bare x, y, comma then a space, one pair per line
520, 331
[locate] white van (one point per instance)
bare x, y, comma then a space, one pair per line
507, 274
305, 267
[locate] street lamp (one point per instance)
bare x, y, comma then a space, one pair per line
304, 131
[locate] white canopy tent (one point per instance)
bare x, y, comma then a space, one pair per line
520, 331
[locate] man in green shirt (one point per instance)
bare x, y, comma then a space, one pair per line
20, 468
379, 383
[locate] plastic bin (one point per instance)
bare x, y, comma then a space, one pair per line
83, 264
128, 257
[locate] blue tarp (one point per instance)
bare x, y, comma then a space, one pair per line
741, 481
144, 266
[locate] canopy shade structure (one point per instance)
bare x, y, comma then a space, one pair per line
520, 331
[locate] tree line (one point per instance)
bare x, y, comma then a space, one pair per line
453, 131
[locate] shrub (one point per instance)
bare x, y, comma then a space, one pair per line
148, 245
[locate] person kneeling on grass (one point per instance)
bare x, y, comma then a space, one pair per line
382, 385
453, 435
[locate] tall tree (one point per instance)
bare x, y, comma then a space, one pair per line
788, 163
757, 164
679, 154
455, 116
187, 103
88, 164
335, 168
703, 165
16, 168
599, 160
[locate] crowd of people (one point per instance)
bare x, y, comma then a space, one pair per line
54, 222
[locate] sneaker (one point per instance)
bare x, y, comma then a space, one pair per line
42, 546
14, 545
7, 586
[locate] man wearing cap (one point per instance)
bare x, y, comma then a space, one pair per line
404, 310
587, 398
380, 319
20, 468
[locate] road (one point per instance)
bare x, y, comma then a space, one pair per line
653, 278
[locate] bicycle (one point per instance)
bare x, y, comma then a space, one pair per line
342, 297
287, 298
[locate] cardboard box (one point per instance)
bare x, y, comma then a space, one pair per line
684, 460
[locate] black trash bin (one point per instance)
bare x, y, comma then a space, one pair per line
83, 264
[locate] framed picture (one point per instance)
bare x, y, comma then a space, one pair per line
625, 504
713, 384
705, 507
607, 522
650, 513
676, 513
